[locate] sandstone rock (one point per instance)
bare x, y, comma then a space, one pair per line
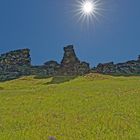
17, 63
130, 68
14, 64
52, 68
9, 76
127, 68
70, 57
18, 57
71, 65
51, 64
106, 68
83, 68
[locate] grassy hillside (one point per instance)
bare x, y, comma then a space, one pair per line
94, 107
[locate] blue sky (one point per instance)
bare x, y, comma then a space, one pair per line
46, 26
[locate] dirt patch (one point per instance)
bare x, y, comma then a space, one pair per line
94, 76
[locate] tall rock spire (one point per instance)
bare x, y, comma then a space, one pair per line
71, 65
70, 57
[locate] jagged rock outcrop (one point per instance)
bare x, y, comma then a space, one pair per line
14, 64
128, 68
83, 68
52, 68
106, 68
18, 57
69, 57
18, 63
71, 65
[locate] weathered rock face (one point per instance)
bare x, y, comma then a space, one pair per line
70, 57
18, 57
14, 64
83, 68
52, 68
71, 65
106, 68
18, 63
127, 68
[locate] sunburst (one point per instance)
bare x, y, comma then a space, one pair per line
89, 10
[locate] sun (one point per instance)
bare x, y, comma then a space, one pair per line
89, 11
88, 7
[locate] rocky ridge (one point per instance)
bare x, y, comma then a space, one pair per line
127, 68
18, 63
15, 64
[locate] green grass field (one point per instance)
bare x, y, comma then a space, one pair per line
94, 107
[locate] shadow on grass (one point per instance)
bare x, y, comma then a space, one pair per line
41, 76
56, 79
60, 79
1, 88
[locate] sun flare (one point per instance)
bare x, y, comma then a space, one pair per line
88, 7
89, 10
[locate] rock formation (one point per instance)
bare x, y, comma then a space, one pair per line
52, 68
14, 64
127, 68
18, 63
71, 65
17, 57
69, 57
106, 68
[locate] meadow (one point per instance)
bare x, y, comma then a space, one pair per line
92, 107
